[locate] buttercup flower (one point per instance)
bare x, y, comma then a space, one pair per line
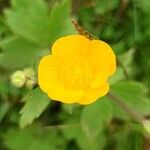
77, 70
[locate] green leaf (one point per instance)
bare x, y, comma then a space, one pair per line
36, 103
60, 22
29, 19
134, 95
102, 6
33, 138
36, 31
37, 24
85, 143
118, 76
4, 108
95, 117
4, 87
89, 144
88, 132
127, 59
118, 47
132, 140
144, 5
18, 53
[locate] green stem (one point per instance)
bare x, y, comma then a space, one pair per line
134, 114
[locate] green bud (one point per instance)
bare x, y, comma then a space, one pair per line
18, 78
30, 82
29, 72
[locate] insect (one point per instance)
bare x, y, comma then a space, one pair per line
82, 31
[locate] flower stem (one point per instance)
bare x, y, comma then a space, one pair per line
123, 7
134, 114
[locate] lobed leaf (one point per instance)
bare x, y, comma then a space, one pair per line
35, 103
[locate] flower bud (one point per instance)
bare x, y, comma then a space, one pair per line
30, 82
18, 78
29, 72
30, 77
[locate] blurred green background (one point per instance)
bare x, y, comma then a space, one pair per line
29, 120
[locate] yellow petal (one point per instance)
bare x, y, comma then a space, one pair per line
59, 93
99, 79
93, 94
46, 71
103, 56
71, 46
50, 84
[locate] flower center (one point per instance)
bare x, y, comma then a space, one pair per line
75, 74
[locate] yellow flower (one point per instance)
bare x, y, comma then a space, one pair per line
77, 70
